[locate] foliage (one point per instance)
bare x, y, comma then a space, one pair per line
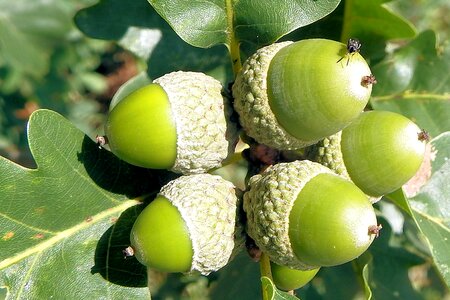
45, 62
63, 225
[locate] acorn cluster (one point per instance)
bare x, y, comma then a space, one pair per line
307, 212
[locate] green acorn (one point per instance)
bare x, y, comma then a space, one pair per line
179, 122
288, 279
291, 95
192, 225
304, 216
380, 151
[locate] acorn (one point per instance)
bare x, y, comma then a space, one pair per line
380, 151
180, 122
291, 95
288, 279
192, 225
304, 216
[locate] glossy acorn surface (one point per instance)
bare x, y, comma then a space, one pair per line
330, 227
290, 95
311, 93
381, 151
288, 279
131, 133
160, 238
304, 216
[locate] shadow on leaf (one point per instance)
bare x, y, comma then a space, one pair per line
117, 176
110, 261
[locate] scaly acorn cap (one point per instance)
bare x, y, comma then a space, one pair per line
268, 203
252, 103
328, 153
209, 206
205, 134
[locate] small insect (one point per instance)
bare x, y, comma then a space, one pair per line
353, 46
375, 229
423, 136
367, 80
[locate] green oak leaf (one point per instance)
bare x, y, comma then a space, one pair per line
137, 27
212, 22
64, 225
239, 278
270, 291
373, 22
414, 81
430, 207
385, 267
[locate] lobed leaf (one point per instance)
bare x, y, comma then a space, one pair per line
63, 226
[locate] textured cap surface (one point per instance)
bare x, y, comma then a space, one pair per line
327, 152
205, 136
268, 203
208, 204
252, 104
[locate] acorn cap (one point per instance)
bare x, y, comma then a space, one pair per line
328, 153
208, 205
252, 103
205, 134
268, 204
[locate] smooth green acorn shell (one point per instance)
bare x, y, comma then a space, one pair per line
304, 216
290, 95
289, 279
330, 227
199, 232
382, 151
173, 252
143, 121
179, 122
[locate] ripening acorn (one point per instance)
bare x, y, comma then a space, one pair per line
190, 226
179, 122
380, 151
290, 95
304, 216
288, 279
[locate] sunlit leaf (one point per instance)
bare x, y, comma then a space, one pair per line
431, 206
63, 226
212, 22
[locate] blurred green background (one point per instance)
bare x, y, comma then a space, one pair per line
47, 62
